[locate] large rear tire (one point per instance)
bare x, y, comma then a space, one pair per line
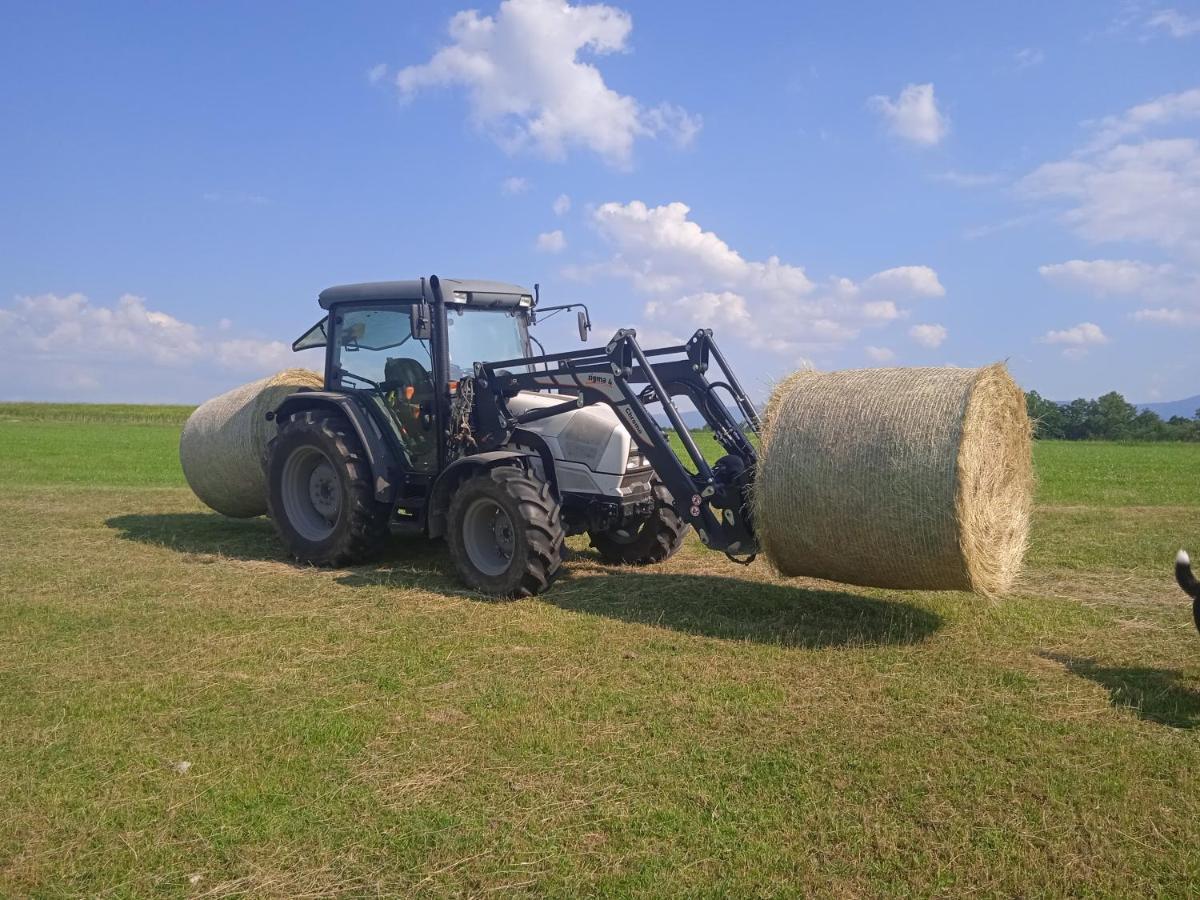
319, 492
505, 533
654, 540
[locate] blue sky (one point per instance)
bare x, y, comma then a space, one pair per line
840, 185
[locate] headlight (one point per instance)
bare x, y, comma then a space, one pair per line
636, 461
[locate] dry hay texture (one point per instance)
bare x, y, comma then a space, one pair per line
223, 442
898, 478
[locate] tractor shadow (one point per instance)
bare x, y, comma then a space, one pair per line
704, 605
745, 610
406, 562
1152, 694
203, 534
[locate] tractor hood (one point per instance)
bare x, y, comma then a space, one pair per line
590, 435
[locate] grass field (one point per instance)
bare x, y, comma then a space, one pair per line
187, 713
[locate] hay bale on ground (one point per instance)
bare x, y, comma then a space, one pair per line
222, 444
899, 478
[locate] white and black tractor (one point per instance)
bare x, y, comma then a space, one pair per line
436, 418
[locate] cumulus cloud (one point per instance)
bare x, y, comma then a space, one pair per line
528, 87
1028, 57
694, 278
1083, 335
551, 242
1128, 184
514, 185
49, 331
968, 179
1168, 316
914, 115
1174, 23
1148, 191
930, 335
1109, 276
1165, 110
880, 354
562, 205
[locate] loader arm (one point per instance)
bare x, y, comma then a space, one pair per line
714, 499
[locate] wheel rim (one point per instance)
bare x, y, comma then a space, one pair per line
312, 493
488, 536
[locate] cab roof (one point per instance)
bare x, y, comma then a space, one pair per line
464, 290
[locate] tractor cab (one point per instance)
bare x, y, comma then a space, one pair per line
402, 347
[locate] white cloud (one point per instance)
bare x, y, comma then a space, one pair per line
914, 115
968, 179
930, 336
562, 205
918, 281
528, 88
1085, 333
1147, 191
1028, 57
1175, 23
693, 278
49, 331
880, 354
514, 185
1108, 276
236, 198
376, 74
1168, 316
1129, 185
1165, 110
551, 241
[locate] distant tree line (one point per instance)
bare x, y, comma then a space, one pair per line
1107, 418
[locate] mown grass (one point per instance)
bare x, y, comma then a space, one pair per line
695, 728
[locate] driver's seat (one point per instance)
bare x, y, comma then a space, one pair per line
410, 395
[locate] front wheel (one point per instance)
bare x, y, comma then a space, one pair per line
655, 539
506, 533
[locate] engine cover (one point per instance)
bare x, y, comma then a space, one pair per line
590, 446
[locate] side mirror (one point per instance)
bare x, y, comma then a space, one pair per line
584, 325
419, 319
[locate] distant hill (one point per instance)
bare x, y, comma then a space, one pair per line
1186, 407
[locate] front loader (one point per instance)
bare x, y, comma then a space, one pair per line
436, 418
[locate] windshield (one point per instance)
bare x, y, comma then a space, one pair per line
483, 335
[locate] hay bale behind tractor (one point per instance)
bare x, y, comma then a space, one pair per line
900, 478
222, 444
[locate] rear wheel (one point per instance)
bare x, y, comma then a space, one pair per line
656, 538
505, 533
319, 492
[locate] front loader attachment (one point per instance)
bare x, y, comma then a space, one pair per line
713, 498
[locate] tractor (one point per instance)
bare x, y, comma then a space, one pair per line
436, 418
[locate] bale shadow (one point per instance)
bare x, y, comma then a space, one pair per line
1153, 694
733, 609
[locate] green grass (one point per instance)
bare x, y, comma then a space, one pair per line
695, 728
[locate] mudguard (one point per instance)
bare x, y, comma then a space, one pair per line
455, 474
385, 468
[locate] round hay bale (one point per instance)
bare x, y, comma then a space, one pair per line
221, 448
898, 478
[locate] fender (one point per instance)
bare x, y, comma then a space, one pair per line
384, 471
455, 474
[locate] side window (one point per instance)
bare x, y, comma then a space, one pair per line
375, 347
313, 338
